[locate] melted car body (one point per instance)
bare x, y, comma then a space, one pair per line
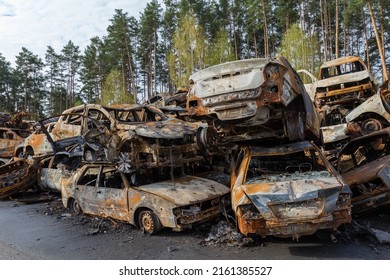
139, 199
251, 99
140, 135
10, 139
370, 116
364, 164
287, 191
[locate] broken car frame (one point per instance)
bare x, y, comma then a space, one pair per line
364, 164
252, 99
147, 201
287, 191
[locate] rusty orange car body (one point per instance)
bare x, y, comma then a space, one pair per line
287, 191
102, 190
252, 99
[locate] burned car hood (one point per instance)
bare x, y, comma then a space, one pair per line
235, 75
186, 190
294, 197
342, 79
168, 129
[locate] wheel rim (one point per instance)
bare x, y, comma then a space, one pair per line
75, 207
371, 125
147, 222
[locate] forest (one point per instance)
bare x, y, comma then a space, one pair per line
139, 58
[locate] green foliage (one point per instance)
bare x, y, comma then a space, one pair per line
300, 49
221, 51
188, 51
171, 39
114, 90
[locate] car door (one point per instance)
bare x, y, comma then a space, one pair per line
112, 194
85, 191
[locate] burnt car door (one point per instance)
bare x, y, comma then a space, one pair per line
111, 194
86, 190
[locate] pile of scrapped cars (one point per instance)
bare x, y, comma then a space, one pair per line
247, 139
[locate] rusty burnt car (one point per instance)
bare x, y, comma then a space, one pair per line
142, 135
148, 201
364, 164
179, 98
10, 139
37, 143
287, 191
370, 116
252, 99
343, 84
16, 175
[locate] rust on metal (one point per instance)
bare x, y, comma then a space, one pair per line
15, 176
288, 191
252, 99
178, 203
365, 165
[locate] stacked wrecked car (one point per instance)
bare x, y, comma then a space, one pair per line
281, 184
295, 160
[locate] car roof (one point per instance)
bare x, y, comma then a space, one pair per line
341, 60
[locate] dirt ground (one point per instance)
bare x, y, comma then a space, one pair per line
46, 230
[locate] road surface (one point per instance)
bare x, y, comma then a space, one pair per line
46, 231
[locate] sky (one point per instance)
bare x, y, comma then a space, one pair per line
36, 24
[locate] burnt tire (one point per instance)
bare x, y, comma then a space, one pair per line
149, 222
371, 125
74, 207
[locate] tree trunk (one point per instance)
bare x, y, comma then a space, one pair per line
155, 60
255, 44
337, 30
366, 39
266, 47
345, 33
378, 41
324, 29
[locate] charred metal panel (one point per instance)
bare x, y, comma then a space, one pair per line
252, 99
16, 176
52, 179
334, 133
372, 105
10, 139
269, 198
364, 164
178, 203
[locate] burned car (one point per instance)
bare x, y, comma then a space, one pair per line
140, 135
287, 191
252, 99
10, 139
344, 80
179, 98
364, 164
177, 202
370, 116
16, 175
37, 143
343, 84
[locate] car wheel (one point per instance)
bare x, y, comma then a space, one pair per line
74, 207
371, 125
149, 222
